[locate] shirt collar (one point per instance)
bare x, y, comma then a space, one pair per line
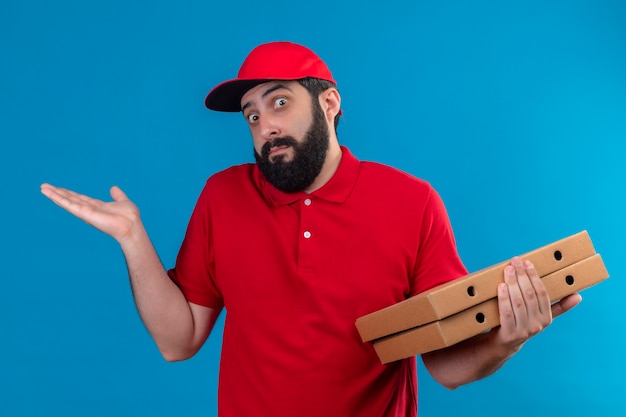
336, 190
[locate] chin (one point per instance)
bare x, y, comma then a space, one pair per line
285, 157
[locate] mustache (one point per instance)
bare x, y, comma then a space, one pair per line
283, 141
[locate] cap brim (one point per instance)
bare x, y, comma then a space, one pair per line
227, 95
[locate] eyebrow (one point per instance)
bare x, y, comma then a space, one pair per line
266, 93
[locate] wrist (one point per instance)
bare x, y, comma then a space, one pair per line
499, 347
134, 235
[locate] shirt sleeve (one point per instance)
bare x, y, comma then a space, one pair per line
437, 260
195, 267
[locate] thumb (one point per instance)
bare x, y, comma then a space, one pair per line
118, 194
565, 304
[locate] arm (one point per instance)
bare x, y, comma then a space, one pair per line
525, 310
178, 327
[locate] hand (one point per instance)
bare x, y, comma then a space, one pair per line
524, 305
116, 218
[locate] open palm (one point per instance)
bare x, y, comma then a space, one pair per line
115, 218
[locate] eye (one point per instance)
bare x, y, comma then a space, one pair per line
280, 102
252, 117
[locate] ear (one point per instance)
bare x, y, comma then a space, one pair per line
330, 100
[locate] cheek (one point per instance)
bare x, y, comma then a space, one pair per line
302, 129
298, 129
258, 147
257, 142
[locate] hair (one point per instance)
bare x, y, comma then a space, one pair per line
315, 87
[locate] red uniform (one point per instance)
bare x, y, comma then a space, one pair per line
294, 272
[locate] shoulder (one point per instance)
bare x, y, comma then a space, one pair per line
235, 176
233, 182
233, 173
375, 174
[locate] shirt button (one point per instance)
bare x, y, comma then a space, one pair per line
307, 202
307, 234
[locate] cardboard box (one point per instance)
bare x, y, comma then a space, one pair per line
468, 291
484, 316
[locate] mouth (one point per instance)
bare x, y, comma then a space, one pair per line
277, 150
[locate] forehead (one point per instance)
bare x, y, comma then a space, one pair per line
261, 91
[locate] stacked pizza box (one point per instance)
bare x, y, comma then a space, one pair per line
468, 306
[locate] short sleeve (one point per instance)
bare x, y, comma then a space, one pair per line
195, 267
437, 260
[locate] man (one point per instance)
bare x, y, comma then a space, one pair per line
296, 247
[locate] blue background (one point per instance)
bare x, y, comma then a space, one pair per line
515, 111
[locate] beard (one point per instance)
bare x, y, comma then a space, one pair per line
308, 156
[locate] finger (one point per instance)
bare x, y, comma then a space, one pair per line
505, 308
45, 186
117, 193
565, 304
68, 195
79, 205
47, 189
541, 294
537, 301
523, 272
511, 278
58, 195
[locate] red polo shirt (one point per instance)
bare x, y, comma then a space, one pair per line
295, 271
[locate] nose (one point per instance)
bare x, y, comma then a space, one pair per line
269, 127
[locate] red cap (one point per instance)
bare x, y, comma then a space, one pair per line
267, 62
